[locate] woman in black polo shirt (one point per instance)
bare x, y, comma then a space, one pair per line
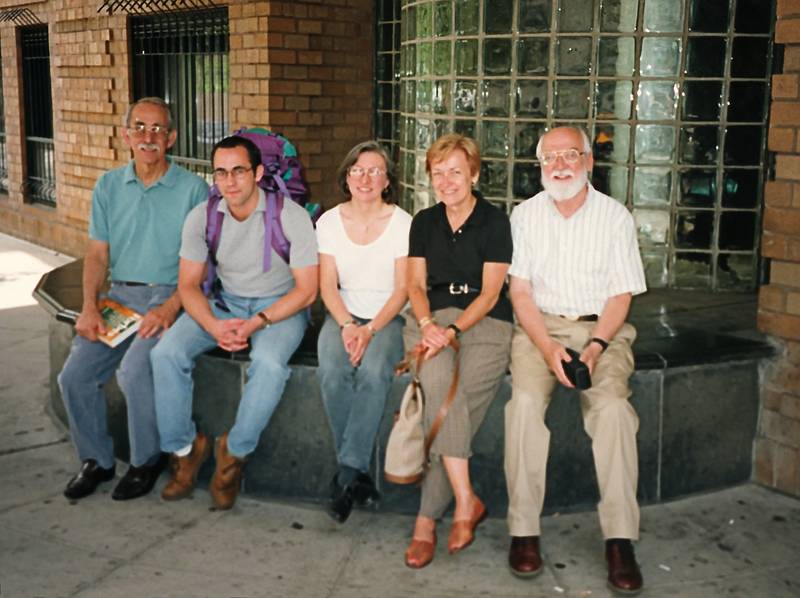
459, 253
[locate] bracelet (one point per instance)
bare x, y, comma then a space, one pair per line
346, 323
425, 321
371, 329
603, 343
266, 320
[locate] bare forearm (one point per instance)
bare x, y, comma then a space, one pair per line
95, 268
291, 303
476, 311
613, 316
530, 318
196, 305
390, 309
334, 304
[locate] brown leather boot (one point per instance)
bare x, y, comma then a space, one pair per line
183, 470
227, 476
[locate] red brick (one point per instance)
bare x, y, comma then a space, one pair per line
778, 193
788, 8
787, 469
787, 31
781, 139
785, 86
785, 113
781, 220
780, 325
772, 297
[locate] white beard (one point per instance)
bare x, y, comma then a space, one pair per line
562, 190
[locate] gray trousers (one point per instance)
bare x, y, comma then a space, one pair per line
483, 360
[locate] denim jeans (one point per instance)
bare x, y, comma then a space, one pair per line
355, 397
91, 364
173, 362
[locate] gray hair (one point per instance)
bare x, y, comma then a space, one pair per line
156, 101
587, 145
388, 194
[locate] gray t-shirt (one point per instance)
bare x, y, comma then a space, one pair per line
240, 254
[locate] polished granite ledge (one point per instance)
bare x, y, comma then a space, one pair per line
695, 390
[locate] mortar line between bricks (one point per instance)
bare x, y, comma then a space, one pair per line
33, 447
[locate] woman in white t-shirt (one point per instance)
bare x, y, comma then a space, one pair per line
363, 248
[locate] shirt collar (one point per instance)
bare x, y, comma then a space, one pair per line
260, 207
476, 218
168, 179
589, 194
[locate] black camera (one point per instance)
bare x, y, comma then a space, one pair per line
577, 372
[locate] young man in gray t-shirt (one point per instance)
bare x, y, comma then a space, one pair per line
266, 308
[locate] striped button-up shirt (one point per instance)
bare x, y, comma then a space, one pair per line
576, 264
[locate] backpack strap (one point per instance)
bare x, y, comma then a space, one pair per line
213, 229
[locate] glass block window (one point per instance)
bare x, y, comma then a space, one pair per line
387, 75
674, 92
183, 58
39, 185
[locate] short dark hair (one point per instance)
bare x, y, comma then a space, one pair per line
388, 194
235, 141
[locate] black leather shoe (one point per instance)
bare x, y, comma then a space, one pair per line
139, 481
624, 576
364, 491
87, 479
340, 503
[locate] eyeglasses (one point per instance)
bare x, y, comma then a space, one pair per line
570, 156
140, 129
358, 171
238, 172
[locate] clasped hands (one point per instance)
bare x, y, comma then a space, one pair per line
435, 338
233, 334
355, 339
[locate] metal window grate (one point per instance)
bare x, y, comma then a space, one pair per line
3, 148
40, 182
183, 58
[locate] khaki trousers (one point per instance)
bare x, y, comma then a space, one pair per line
608, 419
483, 360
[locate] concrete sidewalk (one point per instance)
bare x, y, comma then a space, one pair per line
744, 541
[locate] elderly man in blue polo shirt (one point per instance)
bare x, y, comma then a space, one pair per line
134, 235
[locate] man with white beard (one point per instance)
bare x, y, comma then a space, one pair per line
575, 267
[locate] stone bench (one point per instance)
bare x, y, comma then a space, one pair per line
695, 390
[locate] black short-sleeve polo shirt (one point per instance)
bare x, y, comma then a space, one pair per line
458, 257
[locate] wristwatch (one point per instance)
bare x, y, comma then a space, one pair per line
265, 319
455, 329
602, 342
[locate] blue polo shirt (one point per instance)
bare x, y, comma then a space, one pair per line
143, 225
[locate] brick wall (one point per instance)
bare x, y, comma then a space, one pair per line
302, 68
777, 450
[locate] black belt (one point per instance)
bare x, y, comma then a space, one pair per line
454, 288
586, 318
131, 283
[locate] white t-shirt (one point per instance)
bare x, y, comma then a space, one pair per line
575, 264
366, 272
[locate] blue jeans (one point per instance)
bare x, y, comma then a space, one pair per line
355, 397
91, 364
173, 362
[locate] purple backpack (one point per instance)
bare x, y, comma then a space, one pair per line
282, 178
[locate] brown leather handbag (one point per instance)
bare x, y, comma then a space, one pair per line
408, 450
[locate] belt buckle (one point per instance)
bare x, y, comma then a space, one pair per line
571, 318
459, 289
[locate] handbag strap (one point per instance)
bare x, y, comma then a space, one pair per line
418, 353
